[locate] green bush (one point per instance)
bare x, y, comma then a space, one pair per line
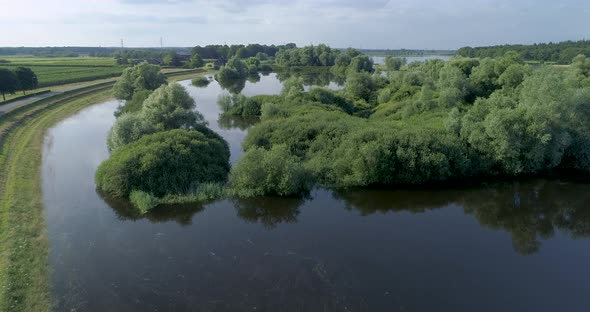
269, 172
200, 81
162, 163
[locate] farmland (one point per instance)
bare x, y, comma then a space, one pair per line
59, 71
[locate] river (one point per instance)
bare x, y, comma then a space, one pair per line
521, 246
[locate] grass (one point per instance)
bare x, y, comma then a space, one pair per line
59, 61
173, 74
59, 75
205, 192
53, 71
24, 273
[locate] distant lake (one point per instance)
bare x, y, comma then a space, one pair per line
380, 60
520, 246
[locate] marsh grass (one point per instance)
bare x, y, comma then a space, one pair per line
205, 192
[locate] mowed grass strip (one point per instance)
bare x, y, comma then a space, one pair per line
24, 270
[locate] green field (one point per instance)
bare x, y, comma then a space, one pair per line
58, 71
58, 61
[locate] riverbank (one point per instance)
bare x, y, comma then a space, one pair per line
24, 270
24, 273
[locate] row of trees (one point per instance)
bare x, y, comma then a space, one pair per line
562, 52
241, 51
21, 79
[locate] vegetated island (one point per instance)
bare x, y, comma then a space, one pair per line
414, 124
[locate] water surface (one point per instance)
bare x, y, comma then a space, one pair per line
380, 60
507, 247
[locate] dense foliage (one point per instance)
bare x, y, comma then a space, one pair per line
200, 81
8, 82
269, 172
168, 107
562, 52
322, 55
162, 150
431, 122
241, 51
19, 79
27, 79
166, 162
143, 76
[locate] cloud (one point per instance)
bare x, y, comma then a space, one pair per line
341, 23
154, 1
134, 19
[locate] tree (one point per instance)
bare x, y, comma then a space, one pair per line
8, 82
171, 107
394, 63
143, 76
360, 85
196, 61
361, 63
27, 79
172, 59
128, 127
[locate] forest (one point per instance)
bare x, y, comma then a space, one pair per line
562, 52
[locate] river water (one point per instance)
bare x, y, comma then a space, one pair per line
521, 246
380, 60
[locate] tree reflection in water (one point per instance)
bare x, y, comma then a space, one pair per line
269, 211
181, 214
530, 211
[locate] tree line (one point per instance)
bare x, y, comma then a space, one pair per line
19, 79
239, 50
561, 52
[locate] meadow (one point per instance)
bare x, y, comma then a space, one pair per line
59, 71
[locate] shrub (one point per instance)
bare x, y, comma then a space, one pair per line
200, 81
269, 172
167, 162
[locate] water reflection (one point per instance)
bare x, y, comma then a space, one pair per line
529, 211
268, 211
182, 214
355, 250
532, 212
229, 122
234, 86
315, 77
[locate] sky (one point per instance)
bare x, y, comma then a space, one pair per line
377, 24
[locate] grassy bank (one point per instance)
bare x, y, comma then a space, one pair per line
24, 273
24, 270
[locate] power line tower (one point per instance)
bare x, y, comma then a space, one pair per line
161, 44
122, 46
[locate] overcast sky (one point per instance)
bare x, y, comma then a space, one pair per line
419, 24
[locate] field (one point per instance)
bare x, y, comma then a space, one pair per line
59, 71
